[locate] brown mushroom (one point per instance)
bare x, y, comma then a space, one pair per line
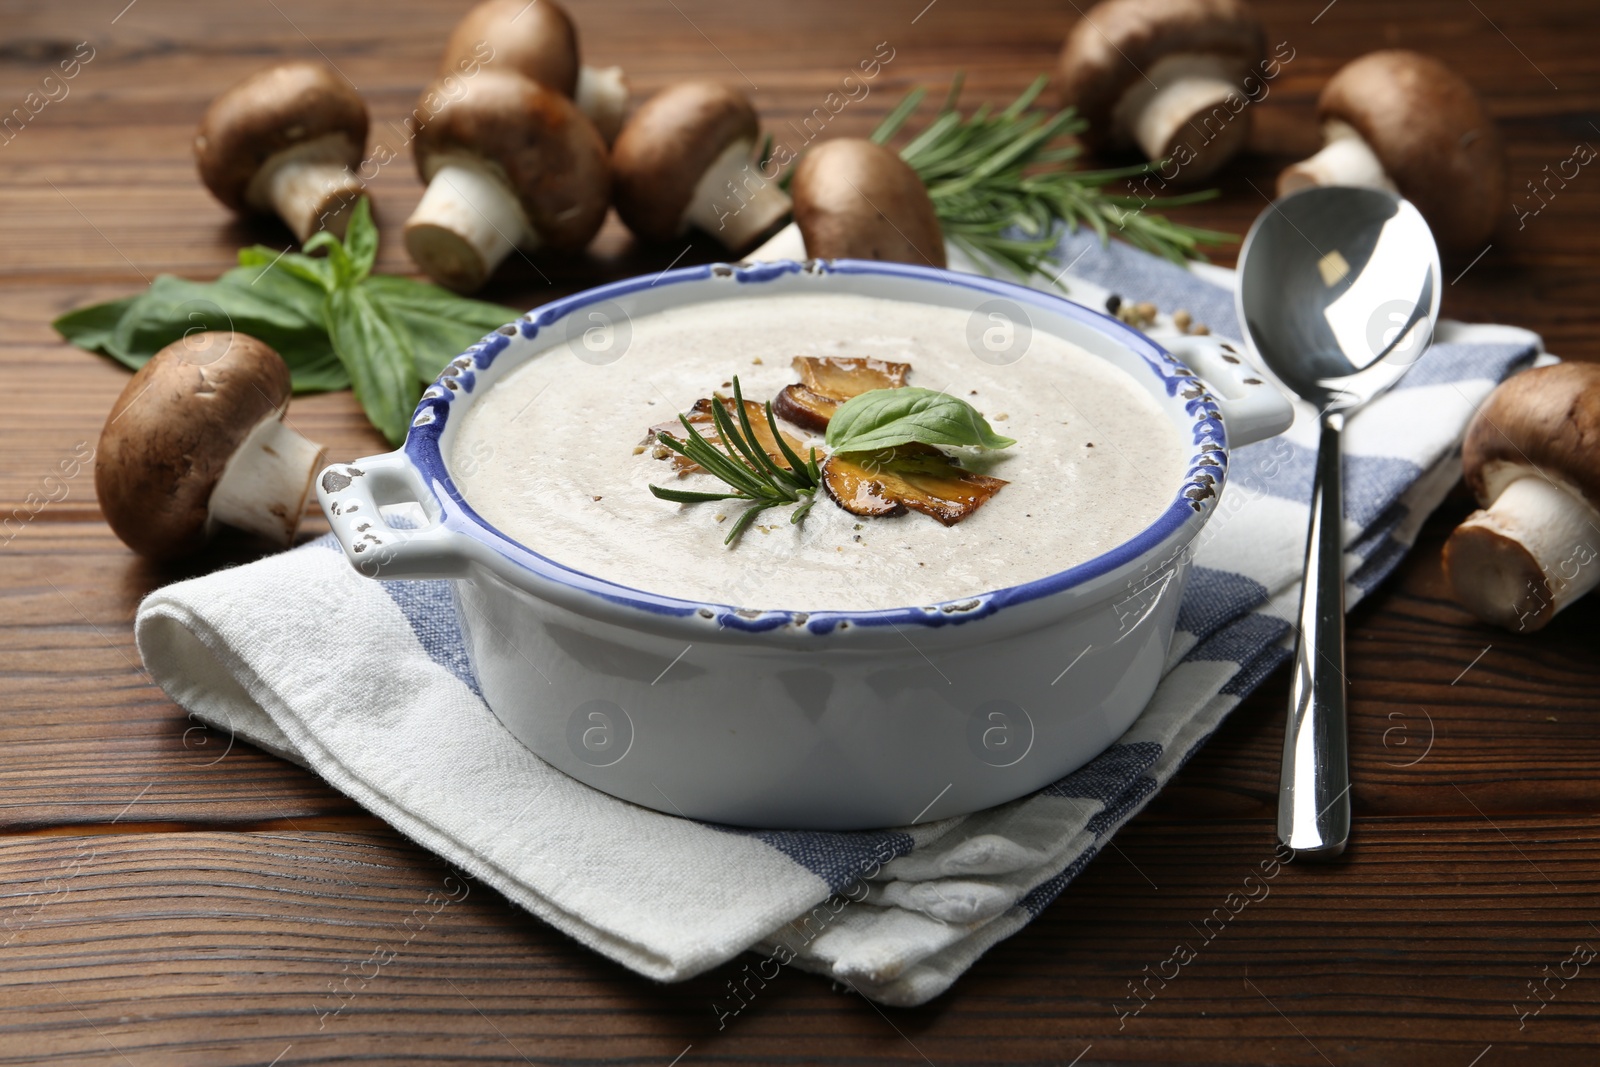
540, 42
285, 140
196, 440
828, 381
508, 164
887, 482
855, 199
1165, 76
805, 407
1405, 122
685, 159
1532, 458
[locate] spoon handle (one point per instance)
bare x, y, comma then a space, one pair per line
1314, 789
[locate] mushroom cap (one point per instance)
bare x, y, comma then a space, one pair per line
552, 158
171, 433
1429, 130
1109, 48
668, 145
537, 40
1547, 418
270, 111
855, 199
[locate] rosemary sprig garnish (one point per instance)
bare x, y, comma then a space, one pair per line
989, 174
744, 465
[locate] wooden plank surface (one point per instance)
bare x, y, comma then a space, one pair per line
206, 948
167, 896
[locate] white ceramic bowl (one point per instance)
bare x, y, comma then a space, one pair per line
823, 719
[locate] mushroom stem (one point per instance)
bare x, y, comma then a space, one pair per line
263, 488
1530, 554
1345, 159
1183, 101
602, 95
468, 221
310, 186
733, 202
787, 243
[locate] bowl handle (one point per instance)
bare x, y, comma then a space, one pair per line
351, 495
1253, 409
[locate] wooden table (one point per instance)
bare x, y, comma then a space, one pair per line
167, 899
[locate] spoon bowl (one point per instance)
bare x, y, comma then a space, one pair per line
1338, 293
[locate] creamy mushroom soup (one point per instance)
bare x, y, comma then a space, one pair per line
552, 457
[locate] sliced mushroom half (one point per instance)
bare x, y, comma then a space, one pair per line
828, 381
915, 477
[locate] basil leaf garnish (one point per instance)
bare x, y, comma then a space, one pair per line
884, 418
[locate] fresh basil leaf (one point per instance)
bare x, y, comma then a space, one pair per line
431, 342
361, 240
313, 366
93, 327
426, 299
174, 307
335, 324
291, 292
441, 325
382, 371
316, 270
884, 418
341, 268
280, 310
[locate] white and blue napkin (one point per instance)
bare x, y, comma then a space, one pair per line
368, 684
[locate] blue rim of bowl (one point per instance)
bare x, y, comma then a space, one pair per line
1195, 497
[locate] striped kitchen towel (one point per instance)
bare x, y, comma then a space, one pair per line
368, 684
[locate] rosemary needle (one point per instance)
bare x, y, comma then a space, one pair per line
1001, 182
744, 465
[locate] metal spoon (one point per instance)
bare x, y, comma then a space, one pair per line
1338, 293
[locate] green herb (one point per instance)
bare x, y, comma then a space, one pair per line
992, 174
335, 323
436, 323
277, 309
742, 462
884, 418
381, 365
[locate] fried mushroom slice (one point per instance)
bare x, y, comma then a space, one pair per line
916, 477
804, 408
701, 419
828, 381
847, 376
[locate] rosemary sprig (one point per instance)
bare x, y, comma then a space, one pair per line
993, 174
744, 465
